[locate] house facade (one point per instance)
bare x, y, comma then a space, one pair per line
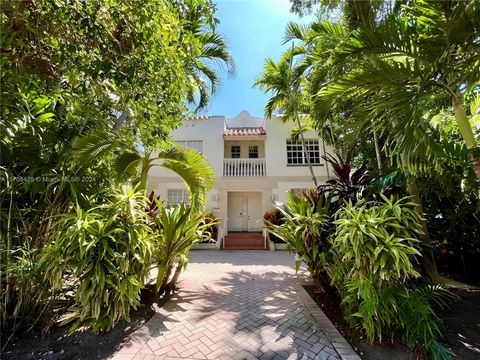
255, 162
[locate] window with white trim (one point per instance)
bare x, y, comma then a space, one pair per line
253, 152
177, 196
192, 144
296, 155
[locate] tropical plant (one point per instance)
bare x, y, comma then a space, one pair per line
24, 293
135, 160
178, 229
347, 183
375, 246
212, 222
303, 230
283, 80
378, 238
72, 68
106, 252
421, 57
213, 49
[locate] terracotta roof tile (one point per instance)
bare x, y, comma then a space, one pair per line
257, 131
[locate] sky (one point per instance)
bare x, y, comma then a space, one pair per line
254, 30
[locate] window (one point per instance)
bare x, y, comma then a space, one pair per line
253, 152
192, 144
296, 156
177, 196
235, 151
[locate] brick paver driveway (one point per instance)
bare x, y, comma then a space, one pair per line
238, 305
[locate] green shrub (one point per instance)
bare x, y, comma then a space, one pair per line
107, 251
375, 247
302, 230
178, 228
23, 294
212, 225
378, 238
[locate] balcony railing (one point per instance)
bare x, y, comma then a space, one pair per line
244, 167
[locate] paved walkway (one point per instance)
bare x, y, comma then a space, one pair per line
238, 305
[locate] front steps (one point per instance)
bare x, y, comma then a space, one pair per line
244, 241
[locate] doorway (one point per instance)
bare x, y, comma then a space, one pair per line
245, 211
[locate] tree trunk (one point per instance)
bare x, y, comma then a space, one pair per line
467, 133
378, 152
304, 146
332, 135
325, 154
413, 190
176, 275
428, 260
163, 274
317, 282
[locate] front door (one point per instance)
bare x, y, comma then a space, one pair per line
245, 211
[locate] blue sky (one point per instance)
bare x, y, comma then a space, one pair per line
254, 30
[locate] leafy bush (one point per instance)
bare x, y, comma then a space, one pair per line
302, 229
23, 293
107, 251
178, 227
378, 238
374, 249
212, 225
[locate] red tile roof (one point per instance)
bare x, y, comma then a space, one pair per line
257, 131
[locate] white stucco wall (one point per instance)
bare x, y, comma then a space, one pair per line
280, 177
276, 151
210, 131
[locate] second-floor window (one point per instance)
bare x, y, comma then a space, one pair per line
192, 144
235, 151
253, 152
296, 155
177, 196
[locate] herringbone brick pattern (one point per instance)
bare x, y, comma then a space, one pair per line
238, 305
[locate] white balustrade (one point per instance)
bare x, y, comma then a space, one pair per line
244, 167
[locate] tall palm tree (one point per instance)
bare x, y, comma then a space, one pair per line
424, 51
131, 160
284, 81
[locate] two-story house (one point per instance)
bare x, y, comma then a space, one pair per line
255, 162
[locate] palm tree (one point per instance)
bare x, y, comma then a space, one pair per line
426, 53
134, 160
284, 81
214, 50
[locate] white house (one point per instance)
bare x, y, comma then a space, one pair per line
255, 162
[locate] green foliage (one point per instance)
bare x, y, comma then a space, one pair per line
107, 250
24, 293
378, 240
302, 230
178, 229
373, 263
124, 70
133, 160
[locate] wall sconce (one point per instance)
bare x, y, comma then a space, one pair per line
214, 197
274, 197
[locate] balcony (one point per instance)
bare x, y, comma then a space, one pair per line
244, 168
